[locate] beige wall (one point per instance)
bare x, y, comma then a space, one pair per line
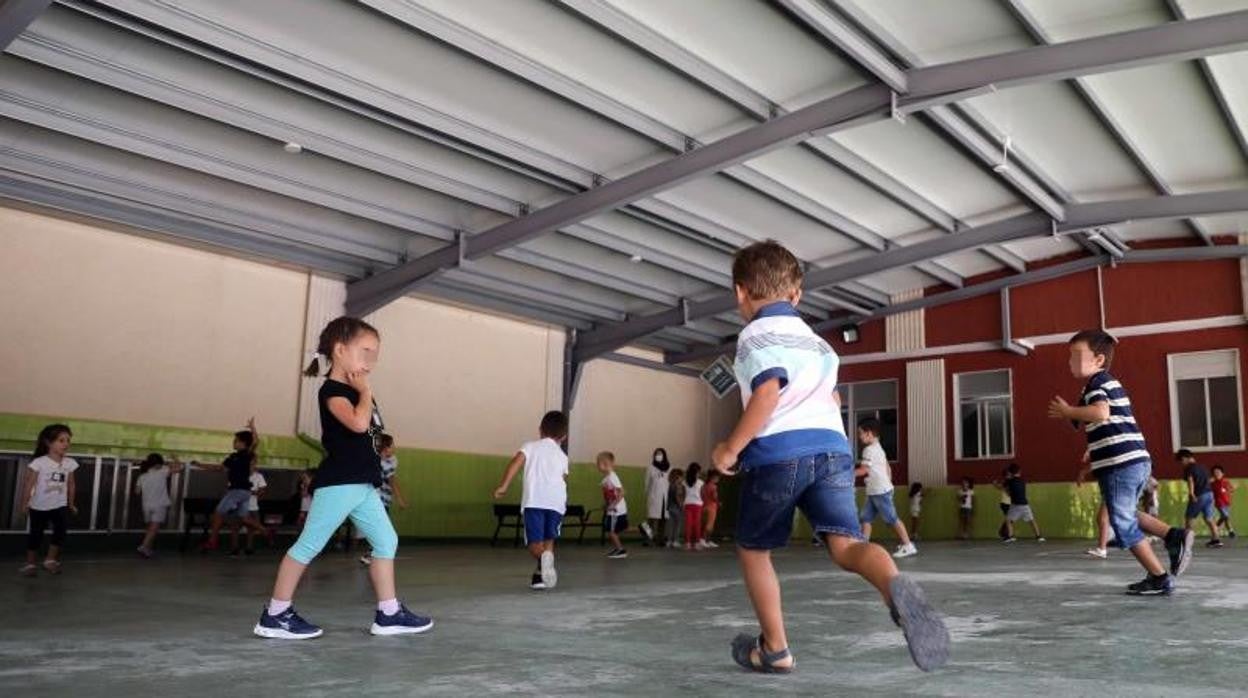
631, 410
458, 380
100, 324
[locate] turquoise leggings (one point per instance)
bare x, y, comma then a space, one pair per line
333, 505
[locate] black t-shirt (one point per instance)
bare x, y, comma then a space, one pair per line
238, 469
1017, 489
350, 458
1200, 477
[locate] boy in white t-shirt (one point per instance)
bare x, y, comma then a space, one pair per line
49, 496
545, 495
615, 518
873, 463
258, 487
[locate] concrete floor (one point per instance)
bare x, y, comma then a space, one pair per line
1026, 620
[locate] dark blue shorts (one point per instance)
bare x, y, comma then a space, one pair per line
541, 525
615, 523
822, 486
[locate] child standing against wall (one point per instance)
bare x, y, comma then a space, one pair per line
152, 486
675, 507
545, 496
49, 494
1222, 489
966, 508
693, 508
916, 508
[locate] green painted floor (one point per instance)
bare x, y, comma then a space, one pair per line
1028, 619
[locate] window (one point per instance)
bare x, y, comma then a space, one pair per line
876, 399
1206, 409
985, 414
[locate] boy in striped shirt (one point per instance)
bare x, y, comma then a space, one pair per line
1120, 461
790, 449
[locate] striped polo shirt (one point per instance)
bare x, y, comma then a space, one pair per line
777, 343
1116, 441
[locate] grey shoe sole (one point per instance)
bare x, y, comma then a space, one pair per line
925, 631
1179, 562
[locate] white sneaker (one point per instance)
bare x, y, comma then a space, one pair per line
647, 531
701, 545
712, 544
1040, 540
549, 576
1100, 553
905, 551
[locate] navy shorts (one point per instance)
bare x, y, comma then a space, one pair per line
615, 523
541, 525
822, 486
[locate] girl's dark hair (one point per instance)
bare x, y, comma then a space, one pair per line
153, 460
47, 435
657, 451
554, 425
1219, 469
691, 475
340, 330
915, 487
385, 440
246, 437
1013, 469
968, 481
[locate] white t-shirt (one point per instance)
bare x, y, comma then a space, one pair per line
879, 475
257, 482
968, 498
612, 482
693, 493
545, 465
916, 504
51, 482
154, 487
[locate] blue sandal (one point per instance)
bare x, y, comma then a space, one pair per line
744, 645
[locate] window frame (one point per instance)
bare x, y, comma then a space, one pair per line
1173, 394
851, 424
957, 417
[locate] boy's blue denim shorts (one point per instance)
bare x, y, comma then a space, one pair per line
1121, 489
1203, 506
880, 505
822, 486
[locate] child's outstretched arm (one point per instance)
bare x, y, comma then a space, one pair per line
760, 408
398, 493
517, 462
255, 435
1090, 414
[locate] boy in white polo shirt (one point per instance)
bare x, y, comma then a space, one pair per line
790, 449
874, 465
545, 495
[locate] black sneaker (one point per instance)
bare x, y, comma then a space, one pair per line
1179, 543
1231, 535
537, 582
1161, 585
1215, 543
618, 554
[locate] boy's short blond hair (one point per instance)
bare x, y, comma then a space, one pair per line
766, 270
605, 457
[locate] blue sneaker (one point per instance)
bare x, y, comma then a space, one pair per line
402, 623
286, 625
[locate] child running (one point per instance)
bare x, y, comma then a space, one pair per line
49, 495
1020, 510
544, 498
1199, 496
152, 486
345, 487
791, 451
873, 465
237, 500
1120, 461
1223, 488
615, 516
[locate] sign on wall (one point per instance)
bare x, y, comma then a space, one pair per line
720, 377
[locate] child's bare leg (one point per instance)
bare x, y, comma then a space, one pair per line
32, 556
1152, 525
54, 553
1035, 527
1143, 552
536, 549
866, 530
381, 572
1102, 527
1213, 529
764, 590
150, 536
900, 529
288, 575
914, 524
615, 541
1009, 529
868, 560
